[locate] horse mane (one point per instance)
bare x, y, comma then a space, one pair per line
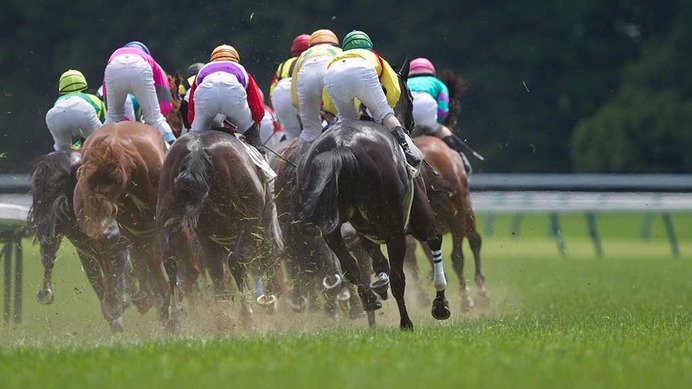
457, 85
321, 181
53, 179
190, 188
103, 179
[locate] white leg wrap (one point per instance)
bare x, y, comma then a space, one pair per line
439, 279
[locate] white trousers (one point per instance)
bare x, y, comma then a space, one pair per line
221, 93
285, 111
69, 117
310, 80
425, 111
130, 73
268, 137
352, 78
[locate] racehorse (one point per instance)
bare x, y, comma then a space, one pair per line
52, 217
115, 203
450, 198
309, 261
210, 185
356, 172
174, 117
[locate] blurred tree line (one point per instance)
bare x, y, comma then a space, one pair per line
584, 86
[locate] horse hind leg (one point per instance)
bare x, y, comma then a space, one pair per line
93, 271
49, 247
475, 242
239, 272
396, 248
467, 302
352, 273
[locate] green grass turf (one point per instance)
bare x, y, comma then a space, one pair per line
621, 321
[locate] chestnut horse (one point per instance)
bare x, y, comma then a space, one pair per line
450, 198
355, 172
115, 204
210, 186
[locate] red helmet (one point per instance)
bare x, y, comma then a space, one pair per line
300, 44
421, 66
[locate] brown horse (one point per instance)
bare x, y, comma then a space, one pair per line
310, 263
449, 195
115, 203
174, 117
355, 172
52, 217
210, 185
450, 200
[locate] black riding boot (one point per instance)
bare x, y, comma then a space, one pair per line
411, 159
453, 142
252, 137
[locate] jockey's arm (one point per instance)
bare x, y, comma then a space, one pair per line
254, 101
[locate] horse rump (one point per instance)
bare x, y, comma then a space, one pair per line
190, 188
52, 180
319, 188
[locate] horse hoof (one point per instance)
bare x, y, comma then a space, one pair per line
45, 297
331, 282
370, 301
440, 309
270, 303
173, 327
381, 285
300, 306
406, 325
117, 325
142, 301
483, 299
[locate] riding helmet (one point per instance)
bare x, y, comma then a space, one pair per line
225, 53
323, 36
357, 40
138, 45
300, 44
72, 81
421, 66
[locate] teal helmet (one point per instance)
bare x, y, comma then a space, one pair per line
356, 40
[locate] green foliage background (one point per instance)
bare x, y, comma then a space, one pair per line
585, 86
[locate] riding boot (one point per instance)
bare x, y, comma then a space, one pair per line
411, 159
252, 137
455, 145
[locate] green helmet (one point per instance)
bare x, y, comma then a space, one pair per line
72, 81
356, 40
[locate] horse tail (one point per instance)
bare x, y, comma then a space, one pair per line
103, 179
321, 183
52, 182
191, 187
456, 85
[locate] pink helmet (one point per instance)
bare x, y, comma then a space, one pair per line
300, 44
421, 66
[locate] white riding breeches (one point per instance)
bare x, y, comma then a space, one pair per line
268, 136
221, 93
69, 117
355, 78
310, 80
425, 111
285, 111
130, 73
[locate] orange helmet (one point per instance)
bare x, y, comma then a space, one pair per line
323, 36
225, 53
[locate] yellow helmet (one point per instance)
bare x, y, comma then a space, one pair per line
323, 36
225, 53
72, 81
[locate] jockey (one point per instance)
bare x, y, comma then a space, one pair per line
308, 81
280, 89
185, 85
360, 73
75, 112
224, 87
431, 104
133, 111
131, 69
